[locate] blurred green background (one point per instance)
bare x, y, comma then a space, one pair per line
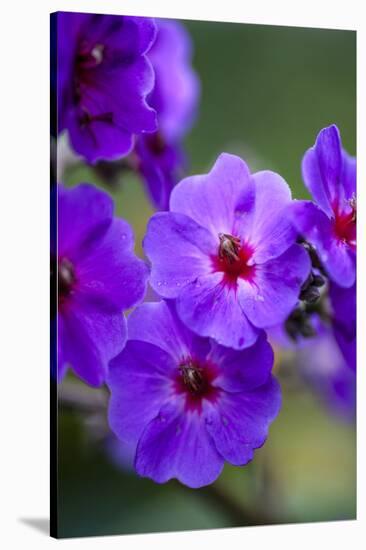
266, 92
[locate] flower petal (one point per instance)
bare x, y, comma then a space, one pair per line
343, 301
210, 199
129, 89
111, 275
276, 288
134, 35
90, 339
240, 423
98, 139
265, 224
177, 87
159, 163
349, 175
212, 309
179, 250
129, 36
245, 369
177, 445
158, 323
84, 213
322, 168
110, 102
327, 371
337, 257
139, 383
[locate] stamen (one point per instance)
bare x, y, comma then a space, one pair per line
66, 277
97, 53
192, 377
194, 380
229, 247
353, 204
232, 259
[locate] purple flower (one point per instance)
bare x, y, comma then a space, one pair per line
104, 80
161, 165
323, 365
226, 252
330, 225
176, 91
175, 98
343, 302
186, 403
98, 277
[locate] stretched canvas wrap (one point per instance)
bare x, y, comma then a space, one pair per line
203, 259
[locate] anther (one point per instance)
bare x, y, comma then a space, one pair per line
229, 247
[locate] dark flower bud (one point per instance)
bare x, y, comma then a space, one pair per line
308, 282
310, 295
318, 280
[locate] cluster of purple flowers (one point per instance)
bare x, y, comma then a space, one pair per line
326, 321
232, 258
329, 226
126, 88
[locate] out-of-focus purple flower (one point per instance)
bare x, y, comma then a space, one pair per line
104, 78
160, 159
186, 403
343, 302
226, 252
323, 365
177, 88
160, 164
330, 225
98, 277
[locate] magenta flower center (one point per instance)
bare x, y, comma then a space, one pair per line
66, 279
345, 224
194, 379
232, 259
